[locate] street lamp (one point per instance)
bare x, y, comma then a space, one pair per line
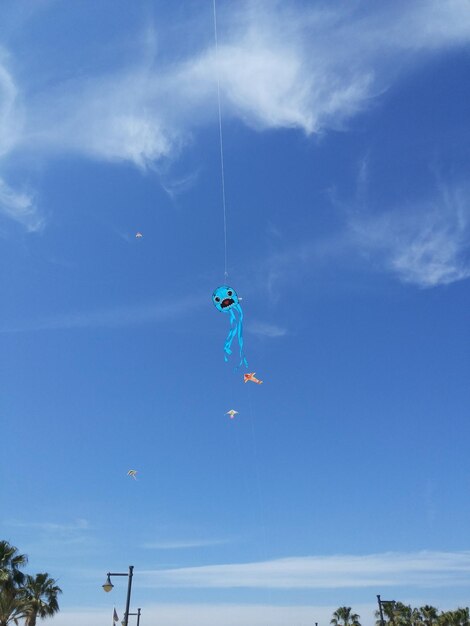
381, 602
108, 585
138, 618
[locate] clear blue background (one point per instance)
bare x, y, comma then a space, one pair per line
111, 350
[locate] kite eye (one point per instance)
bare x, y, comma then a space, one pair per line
229, 293
217, 299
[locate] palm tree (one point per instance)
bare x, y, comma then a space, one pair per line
12, 605
445, 618
388, 609
404, 615
40, 593
416, 617
344, 617
459, 617
429, 615
10, 562
463, 616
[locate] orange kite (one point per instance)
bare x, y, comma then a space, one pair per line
251, 377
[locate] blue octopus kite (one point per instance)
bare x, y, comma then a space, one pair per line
226, 300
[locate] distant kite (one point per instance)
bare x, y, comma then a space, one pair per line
138, 235
232, 413
226, 300
251, 377
133, 474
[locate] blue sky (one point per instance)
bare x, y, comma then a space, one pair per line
346, 145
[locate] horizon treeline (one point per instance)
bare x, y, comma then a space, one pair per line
399, 614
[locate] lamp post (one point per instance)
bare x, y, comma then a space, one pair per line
382, 602
138, 617
108, 585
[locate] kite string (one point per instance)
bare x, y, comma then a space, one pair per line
258, 481
261, 501
222, 169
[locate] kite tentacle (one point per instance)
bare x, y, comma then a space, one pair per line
243, 360
231, 335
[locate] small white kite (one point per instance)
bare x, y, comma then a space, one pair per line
138, 235
133, 474
232, 413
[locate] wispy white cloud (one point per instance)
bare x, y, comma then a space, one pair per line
278, 67
234, 614
10, 109
264, 329
414, 569
296, 66
269, 76
53, 527
20, 207
313, 68
184, 544
425, 245
290, 262
53, 538
217, 614
15, 205
175, 186
115, 317
117, 117
430, 25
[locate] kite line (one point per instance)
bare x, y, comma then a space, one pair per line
221, 141
225, 297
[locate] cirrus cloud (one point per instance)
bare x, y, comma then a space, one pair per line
390, 569
310, 68
425, 245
